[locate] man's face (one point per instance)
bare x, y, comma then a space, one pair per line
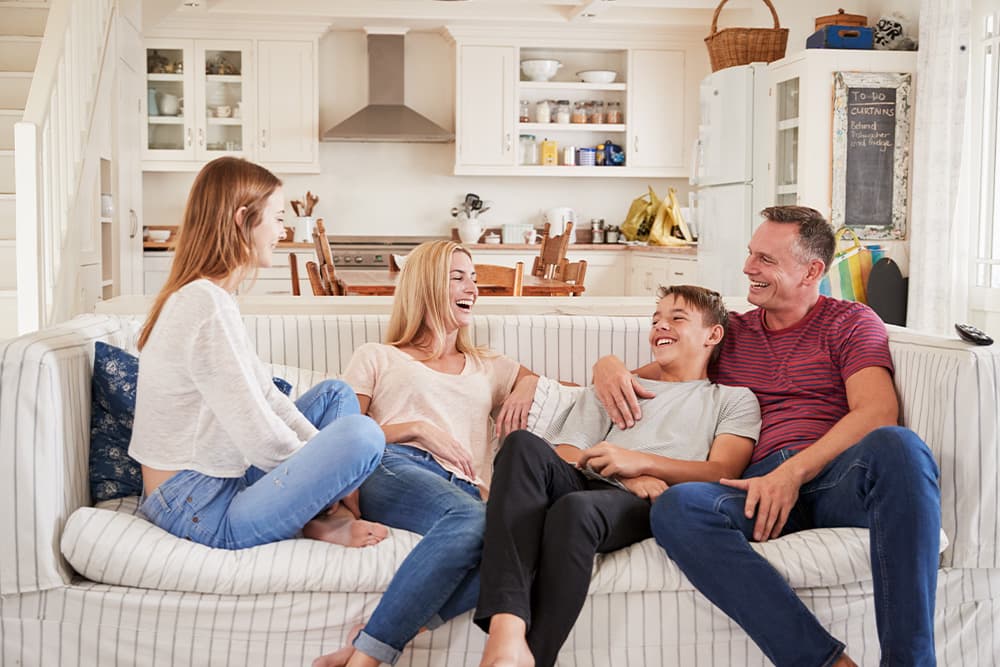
778, 276
679, 333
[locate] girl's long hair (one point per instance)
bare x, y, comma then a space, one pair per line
209, 243
421, 309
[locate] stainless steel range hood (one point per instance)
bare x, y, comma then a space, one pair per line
387, 118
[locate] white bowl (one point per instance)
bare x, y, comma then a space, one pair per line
598, 75
540, 70
159, 235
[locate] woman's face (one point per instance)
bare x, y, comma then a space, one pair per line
271, 229
462, 287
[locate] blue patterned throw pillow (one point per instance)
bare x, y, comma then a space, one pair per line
113, 473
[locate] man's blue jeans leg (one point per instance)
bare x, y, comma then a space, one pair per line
886, 483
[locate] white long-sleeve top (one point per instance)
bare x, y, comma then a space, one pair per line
204, 399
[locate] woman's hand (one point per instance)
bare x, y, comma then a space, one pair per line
444, 446
613, 461
514, 411
645, 486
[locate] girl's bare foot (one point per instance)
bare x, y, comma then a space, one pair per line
340, 657
506, 645
340, 527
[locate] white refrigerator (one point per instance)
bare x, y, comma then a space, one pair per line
730, 173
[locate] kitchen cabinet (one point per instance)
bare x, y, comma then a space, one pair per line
647, 272
658, 119
126, 177
256, 99
198, 98
484, 126
801, 94
275, 279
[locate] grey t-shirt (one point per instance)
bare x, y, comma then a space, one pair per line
680, 422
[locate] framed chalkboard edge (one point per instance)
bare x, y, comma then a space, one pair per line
902, 83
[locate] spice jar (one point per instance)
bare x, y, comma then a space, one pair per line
528, 149
562, 112
596, 112
550, 153
579, 113
543, 112
523, 115
613, 114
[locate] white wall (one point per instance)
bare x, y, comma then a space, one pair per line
409, 189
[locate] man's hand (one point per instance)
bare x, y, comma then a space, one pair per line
613, 461
617, 390
645, 486
771, 497
514, 412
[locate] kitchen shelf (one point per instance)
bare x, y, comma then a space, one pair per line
224, 78
572, 86
179, 78
224, 121
572, 127
166, 120
786, 189
789, 124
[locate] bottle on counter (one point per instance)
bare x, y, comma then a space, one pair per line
550, 153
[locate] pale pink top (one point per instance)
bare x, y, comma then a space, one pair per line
403, 389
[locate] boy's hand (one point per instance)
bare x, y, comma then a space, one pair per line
613, 461
645, 486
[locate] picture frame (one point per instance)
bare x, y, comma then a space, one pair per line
872, 117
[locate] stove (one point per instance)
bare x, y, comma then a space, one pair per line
371, 252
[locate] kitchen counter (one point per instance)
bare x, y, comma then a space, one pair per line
690, 250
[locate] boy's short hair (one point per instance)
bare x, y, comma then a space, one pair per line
705, 301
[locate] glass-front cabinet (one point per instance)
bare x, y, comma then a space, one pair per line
198, 96
786, 132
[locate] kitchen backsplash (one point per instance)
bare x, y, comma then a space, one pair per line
386, 189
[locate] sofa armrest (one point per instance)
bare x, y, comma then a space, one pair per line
948, 392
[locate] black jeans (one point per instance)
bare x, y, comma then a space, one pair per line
545, 522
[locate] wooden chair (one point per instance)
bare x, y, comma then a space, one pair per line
293, 264
321, 273
553, 251
511, 278
572, 273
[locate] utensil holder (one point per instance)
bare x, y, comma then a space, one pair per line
304, 226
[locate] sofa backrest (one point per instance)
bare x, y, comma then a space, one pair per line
948, 391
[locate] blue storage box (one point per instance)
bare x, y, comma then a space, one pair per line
840, 37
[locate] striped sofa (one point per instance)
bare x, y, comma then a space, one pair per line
81, 585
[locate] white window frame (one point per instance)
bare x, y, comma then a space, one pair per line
984, 98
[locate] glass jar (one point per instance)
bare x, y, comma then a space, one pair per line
543, 112
562, 112
524, 114
596, 114
579, 112
528, 149
613, 113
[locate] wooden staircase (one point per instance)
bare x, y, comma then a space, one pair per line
22, 24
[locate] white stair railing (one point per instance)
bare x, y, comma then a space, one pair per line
52, 158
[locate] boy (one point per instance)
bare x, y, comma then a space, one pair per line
550, 511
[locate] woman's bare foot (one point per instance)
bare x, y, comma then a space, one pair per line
340, 527
506, 645
340, 657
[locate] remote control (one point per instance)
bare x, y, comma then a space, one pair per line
973, 335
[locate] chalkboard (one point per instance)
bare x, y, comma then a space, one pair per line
871, 153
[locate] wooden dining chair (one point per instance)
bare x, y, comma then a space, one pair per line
553, 251
322, 276
573, 273
509, 278
293, 264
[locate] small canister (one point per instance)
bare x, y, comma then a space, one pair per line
550, 153
569, 156
543, 112
596, 231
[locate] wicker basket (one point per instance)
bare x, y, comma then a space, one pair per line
742, 46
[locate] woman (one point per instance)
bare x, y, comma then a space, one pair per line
432, 392
227, 459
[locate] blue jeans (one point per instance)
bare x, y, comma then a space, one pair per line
259, 508
439, 579
886, 483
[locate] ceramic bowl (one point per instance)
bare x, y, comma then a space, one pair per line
540, 70
159, 235
598, 75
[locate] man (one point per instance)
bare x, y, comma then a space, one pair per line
551, 510
829, 454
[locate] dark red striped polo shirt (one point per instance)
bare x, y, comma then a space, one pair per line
798, 373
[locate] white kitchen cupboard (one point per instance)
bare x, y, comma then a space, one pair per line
276, 279
654, 72
801, 94
287, 118
484, 123
647, 272
126, 177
